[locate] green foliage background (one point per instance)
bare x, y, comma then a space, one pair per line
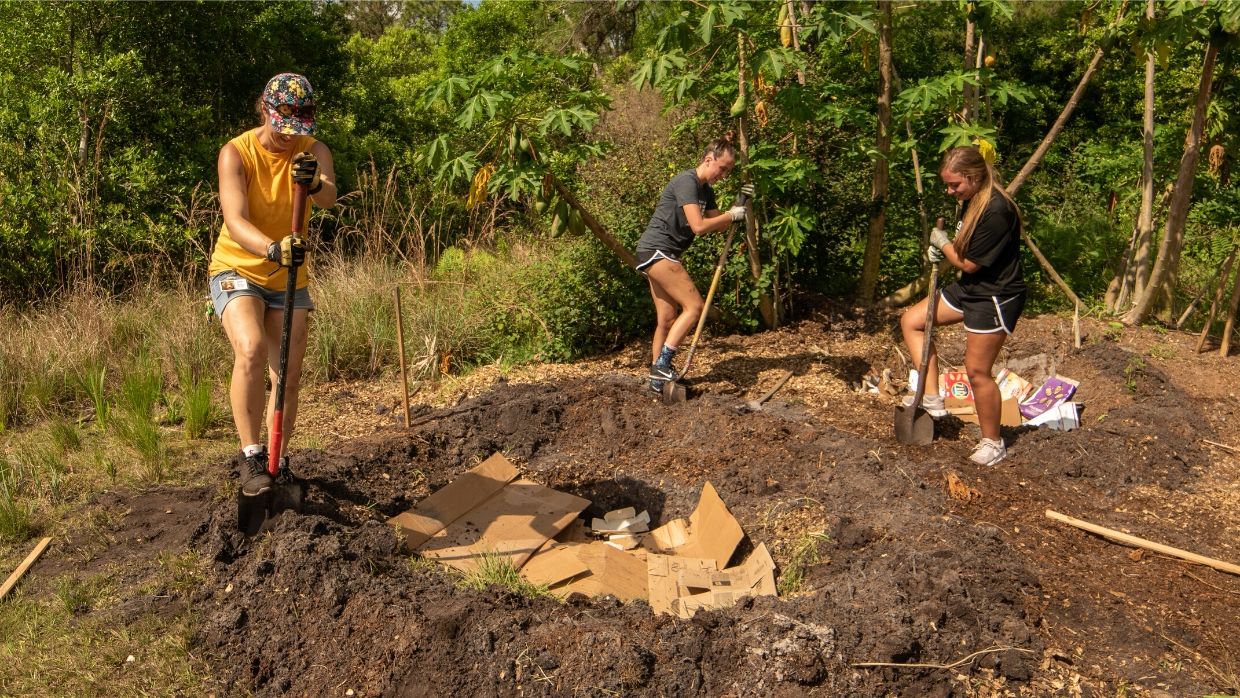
112, 114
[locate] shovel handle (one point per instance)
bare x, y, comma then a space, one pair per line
741, 200
300, 192
932, 301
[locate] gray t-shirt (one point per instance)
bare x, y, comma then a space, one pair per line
668, 230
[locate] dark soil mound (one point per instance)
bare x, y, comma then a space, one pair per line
324, 602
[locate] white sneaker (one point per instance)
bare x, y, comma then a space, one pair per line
932, 404
989, 452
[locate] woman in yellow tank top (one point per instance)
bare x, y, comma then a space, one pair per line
257, 170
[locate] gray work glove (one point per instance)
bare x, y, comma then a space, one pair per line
934, 254
289, 252
938, 237
747, 191
737, 213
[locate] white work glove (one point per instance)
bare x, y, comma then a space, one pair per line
934, 254
737, 213
747, 191
938, 237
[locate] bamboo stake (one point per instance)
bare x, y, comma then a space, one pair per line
1218, 298
1143, 543
1076, 326
22, 568
400, 347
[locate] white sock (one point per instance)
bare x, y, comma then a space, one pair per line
252, 449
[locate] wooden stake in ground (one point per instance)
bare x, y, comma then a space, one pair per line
22, 568
1143, 543
400, 348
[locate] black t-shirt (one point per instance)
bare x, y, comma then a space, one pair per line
668, 229
995, 247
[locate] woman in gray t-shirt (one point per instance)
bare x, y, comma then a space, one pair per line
686, 209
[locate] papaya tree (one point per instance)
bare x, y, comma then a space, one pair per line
1214, 25
522, 123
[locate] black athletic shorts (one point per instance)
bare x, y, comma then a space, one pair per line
985, 314
645, 258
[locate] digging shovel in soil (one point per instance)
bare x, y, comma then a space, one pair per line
676, 391
286, 492
913, 424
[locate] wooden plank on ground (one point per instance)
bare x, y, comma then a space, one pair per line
450, 502
514, 524
24, 567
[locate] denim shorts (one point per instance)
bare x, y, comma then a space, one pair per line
228, 285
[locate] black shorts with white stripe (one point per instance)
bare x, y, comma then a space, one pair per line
985, 314
647, 258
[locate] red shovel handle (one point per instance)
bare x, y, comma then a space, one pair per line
290, 290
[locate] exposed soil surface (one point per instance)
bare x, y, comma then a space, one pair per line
997, 598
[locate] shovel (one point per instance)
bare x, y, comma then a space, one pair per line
286, 492
913, 424
675, 391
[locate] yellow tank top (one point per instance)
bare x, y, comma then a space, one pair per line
269, 184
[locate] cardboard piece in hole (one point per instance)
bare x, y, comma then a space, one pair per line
711, 532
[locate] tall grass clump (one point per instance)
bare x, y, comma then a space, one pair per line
92, 378
15, 525
199, 410
353, 332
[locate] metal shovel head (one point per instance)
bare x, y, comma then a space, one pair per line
914, 425
674, 392
253, 512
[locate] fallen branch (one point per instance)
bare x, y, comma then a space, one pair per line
1143, 543
953, 665
22, 568
1225, 447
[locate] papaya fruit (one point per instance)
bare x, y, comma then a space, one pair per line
576, 224
738, 107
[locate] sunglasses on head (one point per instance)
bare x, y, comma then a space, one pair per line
288, 110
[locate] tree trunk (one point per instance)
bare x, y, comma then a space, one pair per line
878, 190
1036, 159
593, 224
796, 37
1173, 232
766, 304
969, 97
1134, 274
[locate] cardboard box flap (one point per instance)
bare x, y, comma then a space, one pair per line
450, 502
756, 577
713, 532
514, 523
553, 565
615, 572
670, 577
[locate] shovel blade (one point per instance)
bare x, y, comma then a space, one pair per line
914, 425
252, 512
674, 393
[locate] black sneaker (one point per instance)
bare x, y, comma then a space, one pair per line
254, 477
663, 373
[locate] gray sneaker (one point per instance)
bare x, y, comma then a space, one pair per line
989, 452
254, 477
932, 404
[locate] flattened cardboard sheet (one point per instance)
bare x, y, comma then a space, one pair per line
553, 565
616, 572
450, 502
712, 532
514, 523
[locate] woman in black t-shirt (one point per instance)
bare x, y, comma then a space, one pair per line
685, 210
988, 297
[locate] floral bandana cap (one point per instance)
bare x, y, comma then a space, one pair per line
288, 101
